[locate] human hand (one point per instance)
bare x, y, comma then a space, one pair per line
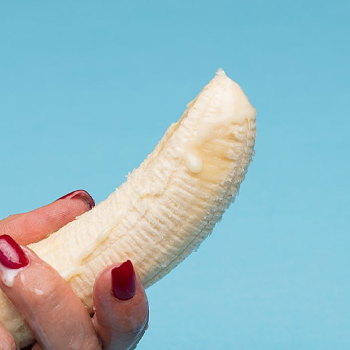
49, 306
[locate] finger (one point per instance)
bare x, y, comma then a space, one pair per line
35, 225
121, 307
36, 346
6, 340
48, 305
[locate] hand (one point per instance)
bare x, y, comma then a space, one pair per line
49, 306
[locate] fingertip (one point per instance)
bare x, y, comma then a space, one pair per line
80, 195
36, 347
120, 304
123, 281
37, 224
68, 208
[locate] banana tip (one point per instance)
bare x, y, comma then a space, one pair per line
221, 73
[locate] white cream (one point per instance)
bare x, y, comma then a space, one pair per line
73, 271
38, 291
144, 192
229, 105
91, 247
8, 275
193, 161
76, 267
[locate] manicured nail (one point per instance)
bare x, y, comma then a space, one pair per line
124, 281
80, 194
11, 254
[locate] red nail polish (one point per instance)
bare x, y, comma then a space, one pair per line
11, 254
80, 194
124, 281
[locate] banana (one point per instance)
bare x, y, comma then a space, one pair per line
166, 208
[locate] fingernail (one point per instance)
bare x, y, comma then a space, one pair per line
80, 194
12, 255
124, 281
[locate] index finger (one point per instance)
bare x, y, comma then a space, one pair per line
35, 225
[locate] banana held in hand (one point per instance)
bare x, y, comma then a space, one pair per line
166, 208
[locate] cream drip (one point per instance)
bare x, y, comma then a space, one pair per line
99, 239
144, 192
228, 106
77, 269
193, 161
73, 271
38, 291
8, 275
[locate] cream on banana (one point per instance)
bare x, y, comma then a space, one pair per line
166, 208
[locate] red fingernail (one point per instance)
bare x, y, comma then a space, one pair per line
11, 254
80, 194
124, 281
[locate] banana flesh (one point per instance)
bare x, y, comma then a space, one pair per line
166, 208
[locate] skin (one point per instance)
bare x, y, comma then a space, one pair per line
48, 305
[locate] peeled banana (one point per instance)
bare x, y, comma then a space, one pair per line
166, 208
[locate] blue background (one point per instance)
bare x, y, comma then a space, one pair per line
88, 88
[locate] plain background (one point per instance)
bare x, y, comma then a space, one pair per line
87, 89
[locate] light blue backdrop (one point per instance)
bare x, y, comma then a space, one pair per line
87, 88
